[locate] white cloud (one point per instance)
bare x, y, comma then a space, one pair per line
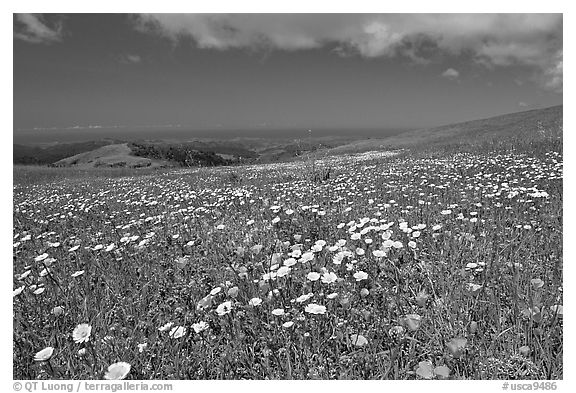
451, 73
130, 58
554, 73
494, 40
35, 29
523, 104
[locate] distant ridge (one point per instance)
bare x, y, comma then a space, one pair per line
153, 153
42, 155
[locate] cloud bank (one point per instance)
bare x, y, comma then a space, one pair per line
493, 40
35, 29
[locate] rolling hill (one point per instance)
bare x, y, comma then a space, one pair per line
117, 155
499, 128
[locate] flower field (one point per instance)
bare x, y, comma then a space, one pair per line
369, 266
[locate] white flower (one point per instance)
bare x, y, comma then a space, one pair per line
313, 276
388, 243
177, 332
358, 340
200, 326
473, 287
255, 301
39, 291
313, 308
81, 333
290, 262
557, 309
283, 271
332, 295
329, 277
316, 248
379, 253
215, 291
278, 311
17, 291
44, 354
303, 298
224, 308
117, 371
41, 257
142, 347
166, 326
288, 324
182, 262
360, 275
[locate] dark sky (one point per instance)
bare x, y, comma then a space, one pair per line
312, 71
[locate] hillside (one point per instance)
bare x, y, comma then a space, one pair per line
117, 155
500, 128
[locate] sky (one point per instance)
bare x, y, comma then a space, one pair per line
281, 70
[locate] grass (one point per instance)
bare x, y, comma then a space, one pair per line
405, 267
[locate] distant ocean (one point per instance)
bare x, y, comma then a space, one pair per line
37, 137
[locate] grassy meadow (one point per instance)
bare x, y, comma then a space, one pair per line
444, 265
